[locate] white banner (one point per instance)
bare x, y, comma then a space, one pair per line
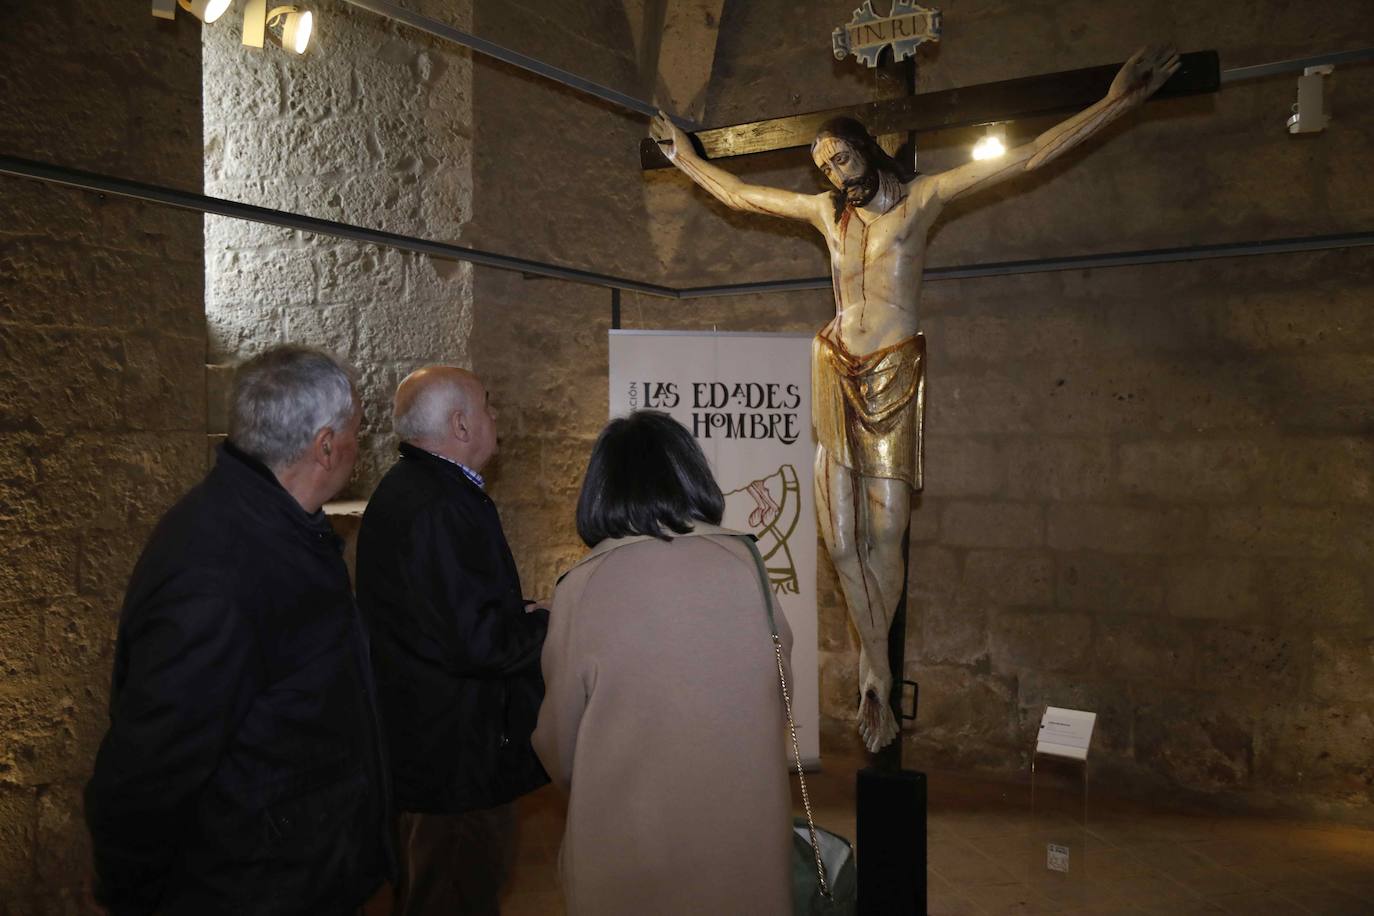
747, 400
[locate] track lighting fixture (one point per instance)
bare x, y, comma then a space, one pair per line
290, 25
1309, 111
204, 10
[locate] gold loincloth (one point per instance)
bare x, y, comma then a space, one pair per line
869, 411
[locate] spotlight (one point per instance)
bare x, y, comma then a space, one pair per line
1309, 111
992, 144
290, 25
204, 10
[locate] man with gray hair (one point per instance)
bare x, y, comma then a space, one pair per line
456, 649
242, 771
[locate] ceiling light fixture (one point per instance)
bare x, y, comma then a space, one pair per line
992, 144
290, 25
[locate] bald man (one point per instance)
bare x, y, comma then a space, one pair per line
455, 649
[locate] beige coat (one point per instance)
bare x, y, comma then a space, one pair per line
663, 719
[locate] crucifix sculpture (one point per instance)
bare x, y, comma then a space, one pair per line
868, 362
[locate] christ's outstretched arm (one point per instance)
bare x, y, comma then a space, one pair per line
729, 189
1139, 77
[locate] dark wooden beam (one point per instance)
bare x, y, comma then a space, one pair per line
1199, 72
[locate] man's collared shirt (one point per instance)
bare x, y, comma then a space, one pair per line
468, 472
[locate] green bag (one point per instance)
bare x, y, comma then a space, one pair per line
837, 856
824, 882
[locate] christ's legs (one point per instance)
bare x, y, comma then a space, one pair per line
863, 521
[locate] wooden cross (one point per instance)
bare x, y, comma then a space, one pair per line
1008, 100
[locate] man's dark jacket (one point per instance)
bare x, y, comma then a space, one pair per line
456, 655
243, 771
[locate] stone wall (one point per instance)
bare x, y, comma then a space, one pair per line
1147, 487
102, 386
556, 179
371, 126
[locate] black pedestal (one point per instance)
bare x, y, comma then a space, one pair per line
891, 842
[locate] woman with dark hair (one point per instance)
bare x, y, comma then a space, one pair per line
662, 716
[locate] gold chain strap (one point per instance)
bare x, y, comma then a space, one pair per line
796, 752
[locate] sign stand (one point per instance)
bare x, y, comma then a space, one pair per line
1059, 856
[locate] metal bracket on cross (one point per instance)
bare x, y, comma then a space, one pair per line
904, 29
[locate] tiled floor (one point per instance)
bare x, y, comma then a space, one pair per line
987, 855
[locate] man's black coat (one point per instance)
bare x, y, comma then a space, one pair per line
456, 655
242, 772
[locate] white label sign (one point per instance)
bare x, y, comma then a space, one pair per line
747, 400
1065, 733
1057, 857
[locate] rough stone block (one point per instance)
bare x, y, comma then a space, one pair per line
49, 731
64, 282
37, 566
373, 277
1321, 470
953, 633
834, 631
1195, 739
240, 330
1149, 649
932, 573
962, 467
107, 558
411, 329
1319, 748
1059, 469
39, 109
241, 87
21, 626
332, 328
164, 382
1322, 393
1124, 529
1262, 659
839, 683
223, 234
78, 636
18, 825
1278, 320
993, 525
1191, 471
62, 843
1343, 668
19, 503
219, 381
1277, 531
269, 279
961, 709
972, 404
1040, 641
1215, 588
1110, 584
1322, 593
437, 280
999, 577
925, 519
56, 380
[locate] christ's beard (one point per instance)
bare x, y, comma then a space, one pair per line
859, 191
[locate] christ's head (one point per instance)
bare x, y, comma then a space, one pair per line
852, 160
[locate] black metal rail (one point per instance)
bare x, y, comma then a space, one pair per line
187, 200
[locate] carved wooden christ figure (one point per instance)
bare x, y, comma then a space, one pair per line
868, 363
